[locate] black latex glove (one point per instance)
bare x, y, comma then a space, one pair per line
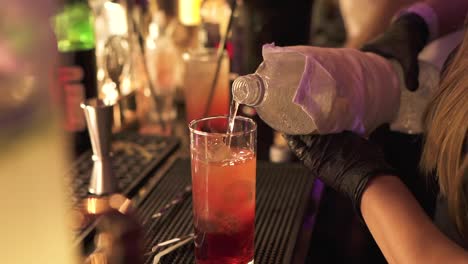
403, 41
345, 162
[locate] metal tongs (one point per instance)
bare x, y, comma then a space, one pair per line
179, 241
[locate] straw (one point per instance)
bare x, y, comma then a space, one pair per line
219, 54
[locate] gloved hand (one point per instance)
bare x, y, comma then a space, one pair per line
345, 162
403, 41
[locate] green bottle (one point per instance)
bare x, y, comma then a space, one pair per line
74, 29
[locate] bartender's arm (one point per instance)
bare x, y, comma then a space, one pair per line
400, 227
357, 168
444, 16
360, 26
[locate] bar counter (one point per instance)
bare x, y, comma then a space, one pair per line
286, 201
298, 220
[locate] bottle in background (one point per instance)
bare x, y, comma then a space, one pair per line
164, 62
189, 12
117, 54
279, 150
215, 18
74, 29
238, 39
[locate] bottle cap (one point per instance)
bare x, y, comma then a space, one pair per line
248, 90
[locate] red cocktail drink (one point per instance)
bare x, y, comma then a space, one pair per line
223, 187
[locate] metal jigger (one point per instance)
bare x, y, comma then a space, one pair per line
99, 119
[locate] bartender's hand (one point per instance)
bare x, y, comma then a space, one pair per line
345, 162
403, 41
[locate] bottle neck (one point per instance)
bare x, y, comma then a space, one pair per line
249, 90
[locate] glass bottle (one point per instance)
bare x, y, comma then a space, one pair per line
215, 16
164, 63
74, 29
306, 89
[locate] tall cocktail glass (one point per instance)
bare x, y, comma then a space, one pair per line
200, 68
223, 189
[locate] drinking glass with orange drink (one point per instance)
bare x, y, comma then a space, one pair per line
200, 68
223, 189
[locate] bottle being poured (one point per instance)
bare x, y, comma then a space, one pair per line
305, 89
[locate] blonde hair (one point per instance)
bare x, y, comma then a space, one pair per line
446, 123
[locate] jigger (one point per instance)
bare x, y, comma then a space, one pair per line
99, 120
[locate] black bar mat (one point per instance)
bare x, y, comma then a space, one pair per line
135, 157
283, 194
